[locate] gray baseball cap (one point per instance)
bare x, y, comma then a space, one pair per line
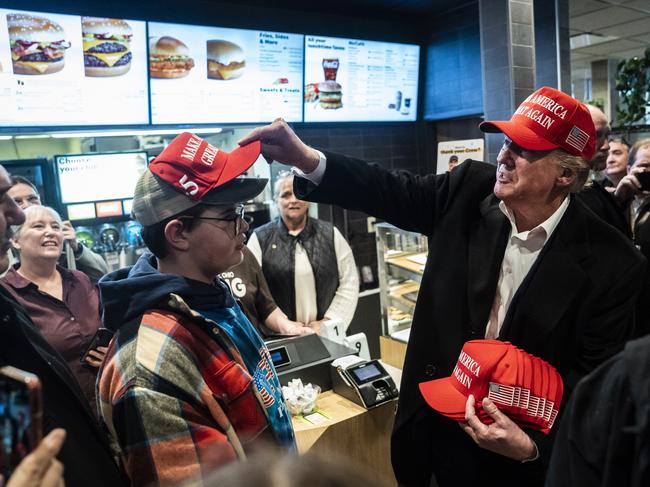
155, 200
190, 172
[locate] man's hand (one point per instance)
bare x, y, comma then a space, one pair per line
40, 468
629, 186
96, 357
69, 235
280, 143
503, 436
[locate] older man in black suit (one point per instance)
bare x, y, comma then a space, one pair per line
515, 257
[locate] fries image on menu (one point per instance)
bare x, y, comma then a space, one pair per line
169, 58
226, 60
37, 44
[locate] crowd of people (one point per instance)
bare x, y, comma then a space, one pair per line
548, 250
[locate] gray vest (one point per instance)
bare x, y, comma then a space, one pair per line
278, 262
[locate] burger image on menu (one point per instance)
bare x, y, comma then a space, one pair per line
37, 44
169, 58
226, 60
329, 95
107, 46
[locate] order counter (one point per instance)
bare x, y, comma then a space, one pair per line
348, 430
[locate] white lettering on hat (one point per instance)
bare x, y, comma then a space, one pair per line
549, 104
187, 184
536, 115
471, 364
209, 154
462, 377
189, 151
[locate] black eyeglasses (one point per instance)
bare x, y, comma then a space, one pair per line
529, 155
237, 217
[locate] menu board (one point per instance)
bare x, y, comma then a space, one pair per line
217, 75
349, 80
46, 78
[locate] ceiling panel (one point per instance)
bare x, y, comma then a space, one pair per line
643, 38
628, 29
581, 7
612, 47
603, 18
628, 20
628, 54
642, 5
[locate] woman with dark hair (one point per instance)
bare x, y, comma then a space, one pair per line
62, 303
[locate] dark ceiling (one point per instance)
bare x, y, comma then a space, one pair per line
367, 8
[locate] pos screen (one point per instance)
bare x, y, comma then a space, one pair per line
366, 373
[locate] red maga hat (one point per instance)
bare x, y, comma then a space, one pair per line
194, 167
525, 388
191, 171
549, 119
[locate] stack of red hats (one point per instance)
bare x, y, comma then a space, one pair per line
525, 388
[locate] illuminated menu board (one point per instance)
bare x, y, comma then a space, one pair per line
349, 80
99, 185
217, 75
65, 70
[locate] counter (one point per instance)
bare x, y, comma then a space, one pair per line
360, 435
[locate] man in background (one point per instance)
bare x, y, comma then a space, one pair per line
616, 162
596, 195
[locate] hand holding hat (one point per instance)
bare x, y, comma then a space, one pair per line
503, 436
280, 143
524, 388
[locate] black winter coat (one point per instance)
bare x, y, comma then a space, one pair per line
85, 455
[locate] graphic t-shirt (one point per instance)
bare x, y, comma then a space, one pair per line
258, 362
247, 284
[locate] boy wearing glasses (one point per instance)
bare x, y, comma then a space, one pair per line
187, 383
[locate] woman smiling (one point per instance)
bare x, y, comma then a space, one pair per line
62, 303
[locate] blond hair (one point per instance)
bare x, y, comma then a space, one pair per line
36, 210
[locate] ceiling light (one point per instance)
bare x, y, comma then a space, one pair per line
136, 132
33, 136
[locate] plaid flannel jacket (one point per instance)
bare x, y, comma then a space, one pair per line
176, 398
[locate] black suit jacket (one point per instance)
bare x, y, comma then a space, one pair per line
574, 309
602, 203
85, 455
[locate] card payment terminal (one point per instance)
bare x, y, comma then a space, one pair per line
365, 383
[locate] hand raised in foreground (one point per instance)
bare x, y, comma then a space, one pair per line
280, 143
503, 436
40, 468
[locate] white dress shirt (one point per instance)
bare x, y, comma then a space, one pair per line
522, 250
